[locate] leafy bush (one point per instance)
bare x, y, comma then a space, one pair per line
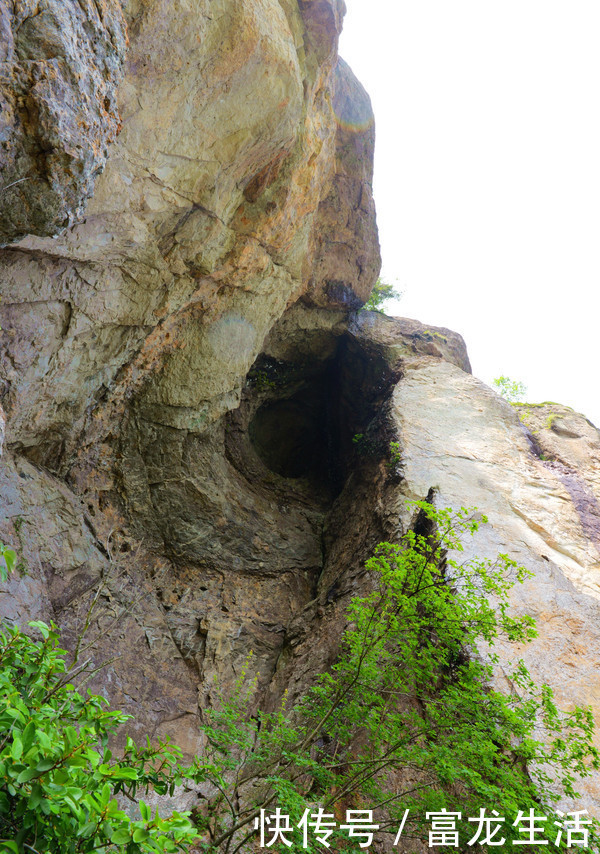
58, 779
381, 293
407, 717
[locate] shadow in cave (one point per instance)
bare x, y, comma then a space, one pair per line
296, 433
298, 421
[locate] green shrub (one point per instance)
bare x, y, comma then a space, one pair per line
511, 390
58, 778
408, 693
381, 293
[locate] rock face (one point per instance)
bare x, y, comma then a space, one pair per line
239, 135
539, 486
240, 177
60, 63
184, 370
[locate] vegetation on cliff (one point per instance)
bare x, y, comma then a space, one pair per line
381, 293
407, 718
58, 778
509, 389
405, 722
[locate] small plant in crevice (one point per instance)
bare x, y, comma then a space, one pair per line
368, 444
20, 566
265, 375
526, 412
432, 334
364, 444
361, 444
8, 558
525, 417
261, 382
395, 456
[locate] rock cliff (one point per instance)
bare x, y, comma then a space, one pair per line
184, 366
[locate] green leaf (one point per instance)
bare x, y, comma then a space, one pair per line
26, 775
93, 757
10, 557
36, 797
28, 736
43, 739
71, 735
17, 748
122, 773
41, 627
120, 836
87, 829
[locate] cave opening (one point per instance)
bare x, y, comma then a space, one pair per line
292, 436
310, 421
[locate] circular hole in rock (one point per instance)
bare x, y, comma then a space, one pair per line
290, 436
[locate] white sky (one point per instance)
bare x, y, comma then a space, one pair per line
487, 178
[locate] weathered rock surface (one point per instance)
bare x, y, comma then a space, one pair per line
204, 225
460, 439
245, 536
344, 268
570, 446
183, 371
60, 63
242, 165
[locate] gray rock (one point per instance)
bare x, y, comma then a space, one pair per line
60, 64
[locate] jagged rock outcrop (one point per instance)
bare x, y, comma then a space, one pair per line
184, 371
